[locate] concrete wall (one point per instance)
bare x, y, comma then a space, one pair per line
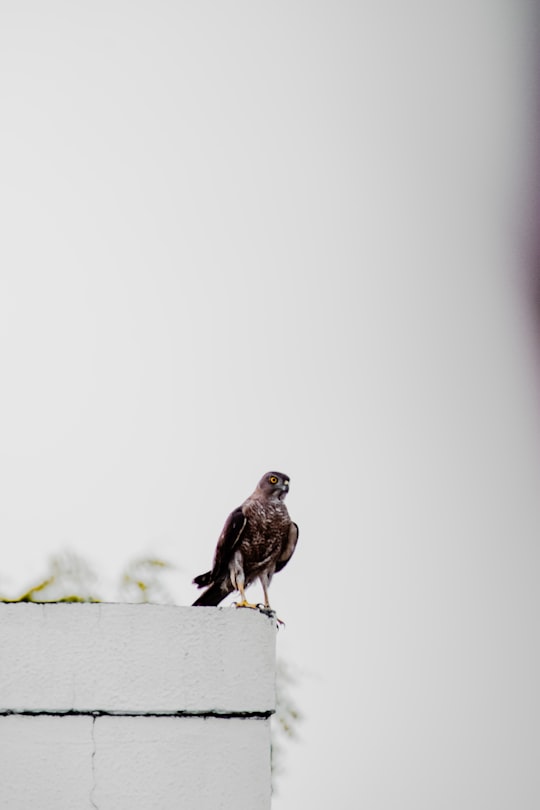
135, 706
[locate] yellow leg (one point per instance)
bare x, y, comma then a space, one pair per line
244, 603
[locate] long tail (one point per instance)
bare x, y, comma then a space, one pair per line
203, 580
214, 594
215, 591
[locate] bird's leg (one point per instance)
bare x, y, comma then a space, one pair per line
238, 580
265, 580
244, 602
265, 583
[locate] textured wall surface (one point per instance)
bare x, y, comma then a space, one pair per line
135, 706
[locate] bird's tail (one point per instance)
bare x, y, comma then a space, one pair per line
203, 580
214, 594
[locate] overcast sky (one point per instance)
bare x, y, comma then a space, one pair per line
242, 236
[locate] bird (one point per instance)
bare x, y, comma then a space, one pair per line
257, 540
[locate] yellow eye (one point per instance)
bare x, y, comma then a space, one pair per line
273, 479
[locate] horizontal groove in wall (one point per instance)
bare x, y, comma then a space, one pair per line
105, 713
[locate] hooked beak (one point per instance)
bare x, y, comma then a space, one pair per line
284, 489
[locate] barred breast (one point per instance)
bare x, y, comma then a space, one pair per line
264, 536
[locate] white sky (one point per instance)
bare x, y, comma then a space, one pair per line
240, 236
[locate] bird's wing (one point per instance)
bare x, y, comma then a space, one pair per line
228, 540
288, 547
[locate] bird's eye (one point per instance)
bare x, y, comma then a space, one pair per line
273, 479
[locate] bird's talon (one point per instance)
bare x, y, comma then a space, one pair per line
245, 604
267, 610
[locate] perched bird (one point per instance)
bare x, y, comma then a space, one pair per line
257, 540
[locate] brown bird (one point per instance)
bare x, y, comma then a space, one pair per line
257, 540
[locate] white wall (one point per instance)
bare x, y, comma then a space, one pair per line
135, 706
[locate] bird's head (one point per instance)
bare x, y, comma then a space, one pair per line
274, 485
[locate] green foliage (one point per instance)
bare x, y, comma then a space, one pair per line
70, 578
140, 582
287, 716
